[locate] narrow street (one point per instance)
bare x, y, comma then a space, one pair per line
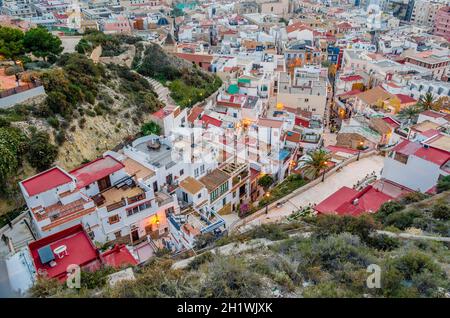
348, 176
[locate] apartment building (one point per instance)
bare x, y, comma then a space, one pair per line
427, 161
306, 90
107, 196
442, 23
424, 11
434, 63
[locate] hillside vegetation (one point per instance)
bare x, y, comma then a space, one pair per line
89, 108
325, 256
187, 83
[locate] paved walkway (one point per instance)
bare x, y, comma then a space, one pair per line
348, 176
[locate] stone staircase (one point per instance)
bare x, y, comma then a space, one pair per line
162, 91
18, 245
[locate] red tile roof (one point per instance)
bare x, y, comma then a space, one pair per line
350, 93
265, 122
296, 26
432, 113
342, 202
342, 149
96, 170
344, 25
434, 155
430, 133
80, 251
118, 256
391, 122
405, 99
301, 122
430, 154
194, 114
335, 200
208, 120
196, 58
293, 136
351, 78
45, 181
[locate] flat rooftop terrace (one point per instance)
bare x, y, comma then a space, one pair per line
80, 251
158, 157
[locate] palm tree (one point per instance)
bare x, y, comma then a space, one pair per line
315, 163
410, 113
426, 101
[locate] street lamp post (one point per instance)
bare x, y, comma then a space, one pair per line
267, 205
359, 150
324, 170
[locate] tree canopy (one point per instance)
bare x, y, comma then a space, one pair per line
11, 42
427, 101
41, 153
42, 43
151, 128
265, 181
315, 163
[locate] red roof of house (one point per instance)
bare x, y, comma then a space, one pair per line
296, 26
301, 122
118, 256
208, 120
194, 114
293, 136
335, 200
432, 113
434, 155
430, 154
391, 122
350, 93
266, 122
369, 200
351, 78
96, 170
342, 149
342, 202
196, 58
163, 112
80, 251
45, 181
430, 133
405, 99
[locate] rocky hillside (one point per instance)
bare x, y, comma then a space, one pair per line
92, 107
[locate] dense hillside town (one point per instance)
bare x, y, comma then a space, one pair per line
254, 148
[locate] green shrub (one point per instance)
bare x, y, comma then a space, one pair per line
199, 260
286, 187
388, 208
60, 137
403, 219
265, 181
443, 184
269, 231
41, 153
150, 128
230, 277
361, 226
383, 242
4, 122
441, 211
53, 121
11, 70
95, 279
413, 197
